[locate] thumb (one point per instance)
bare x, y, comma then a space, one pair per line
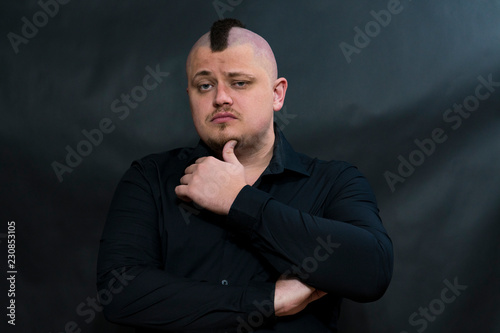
228, 152
317, 294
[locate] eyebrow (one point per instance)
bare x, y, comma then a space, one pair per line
202, 73
236, 74
228, 74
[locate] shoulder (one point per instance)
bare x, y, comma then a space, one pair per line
161, 165
171, 157
336, 169
343, 178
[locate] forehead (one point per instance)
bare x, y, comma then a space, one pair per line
234, 58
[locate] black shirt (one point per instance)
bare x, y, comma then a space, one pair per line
169, 265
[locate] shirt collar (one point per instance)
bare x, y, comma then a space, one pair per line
284, 157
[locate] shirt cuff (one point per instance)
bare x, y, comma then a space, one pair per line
259, 296
247, 209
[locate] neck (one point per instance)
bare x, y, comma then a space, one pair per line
256, 159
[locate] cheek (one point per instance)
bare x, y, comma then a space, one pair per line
264, 105
199, 109
258, 100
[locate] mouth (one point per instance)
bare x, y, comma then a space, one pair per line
223, 117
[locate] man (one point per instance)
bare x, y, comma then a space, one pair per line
240, 233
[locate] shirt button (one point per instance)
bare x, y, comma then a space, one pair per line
224, 282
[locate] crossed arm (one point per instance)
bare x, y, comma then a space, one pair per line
352, 217
360, 268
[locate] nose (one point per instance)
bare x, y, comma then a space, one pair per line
222, 96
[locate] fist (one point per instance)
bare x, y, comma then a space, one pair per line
211, 183
292, 296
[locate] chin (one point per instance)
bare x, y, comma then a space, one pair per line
217, 136
217, 143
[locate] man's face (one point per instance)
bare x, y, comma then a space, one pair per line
231, 96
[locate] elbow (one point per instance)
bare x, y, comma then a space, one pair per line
112, 310
113, 313
363, 282
112, 293
110, 314
373, 291
377, 276
370, 290
362, 275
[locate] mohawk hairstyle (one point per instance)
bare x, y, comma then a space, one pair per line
220, 32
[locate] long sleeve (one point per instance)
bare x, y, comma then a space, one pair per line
344, 251
147, 294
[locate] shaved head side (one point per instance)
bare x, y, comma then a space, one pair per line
231, 32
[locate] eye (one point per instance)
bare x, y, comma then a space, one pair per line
240, 84
204, 86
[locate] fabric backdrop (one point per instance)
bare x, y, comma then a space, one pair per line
409, 91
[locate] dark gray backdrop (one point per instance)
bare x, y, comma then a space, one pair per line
405, 81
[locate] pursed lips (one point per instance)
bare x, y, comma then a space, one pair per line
222, 117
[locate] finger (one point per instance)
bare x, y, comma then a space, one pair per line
190, 169
317, 294
320, 293
185, 180
228, 152
200, 160
181, 192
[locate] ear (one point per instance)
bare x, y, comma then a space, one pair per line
279, 92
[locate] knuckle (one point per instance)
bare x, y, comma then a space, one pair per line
201, 167
210, 190
195, 178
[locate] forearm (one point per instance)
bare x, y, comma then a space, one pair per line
150, 297
348, 259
